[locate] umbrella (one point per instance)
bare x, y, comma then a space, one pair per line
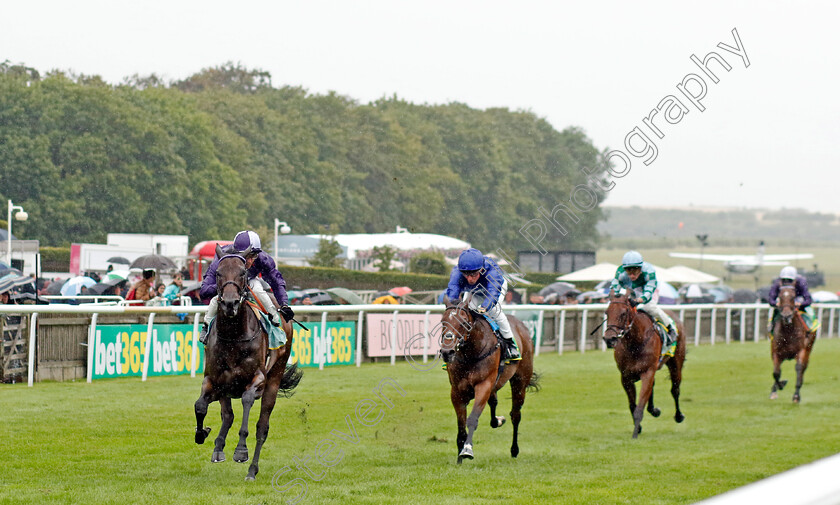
101, 287
319, 297
824, 296
346, 295
118, 275
745, 296
295, 295
55, 287
74, 285
597, 272
120, 260
561, 288
154, 262
207, 249
668, 294
400, 291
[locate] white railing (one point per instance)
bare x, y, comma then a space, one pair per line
699, 311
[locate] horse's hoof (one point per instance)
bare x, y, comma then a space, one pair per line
655, 412
774, 395
679, 417
460, 459
201, 435
218, 457
497, 421
240, 456
796, 399
466, 452
249, 477
514, 452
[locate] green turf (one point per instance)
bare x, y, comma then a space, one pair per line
122, 441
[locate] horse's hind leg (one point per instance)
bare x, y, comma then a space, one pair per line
517, 388
801, 364
650, 408
227, 421
495, 421
201, 411
675, 369
777, 374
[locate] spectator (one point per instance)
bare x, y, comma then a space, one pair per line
144, 289
173, 291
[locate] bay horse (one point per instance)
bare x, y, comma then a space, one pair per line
473, 353
790, 340
637, 355
235, 365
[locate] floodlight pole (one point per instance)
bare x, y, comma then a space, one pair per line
21, 215
283, 228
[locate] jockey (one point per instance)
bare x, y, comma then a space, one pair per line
789, 277
639, 278
481, 275
247, 244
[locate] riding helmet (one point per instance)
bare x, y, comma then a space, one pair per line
788, 272
247, 242
470, 260
632, 259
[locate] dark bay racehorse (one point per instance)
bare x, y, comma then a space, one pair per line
235, 365
790, 340
637, 350
473, 353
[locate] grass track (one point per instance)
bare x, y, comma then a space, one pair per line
122, 441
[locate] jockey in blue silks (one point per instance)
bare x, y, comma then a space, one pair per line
247, 244
638, 277
482, 277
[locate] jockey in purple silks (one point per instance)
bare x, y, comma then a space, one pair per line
247, 244
789, 277
482, 277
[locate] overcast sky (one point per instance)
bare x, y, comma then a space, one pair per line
768, 136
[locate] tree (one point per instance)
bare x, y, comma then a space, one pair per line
385, 255
429, 262
328, 254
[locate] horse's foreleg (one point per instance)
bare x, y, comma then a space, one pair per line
269, 398
645, 390
482, 394
460, 405
517, 389
227, 421
777, 374
201, 411
240, 455
495, 421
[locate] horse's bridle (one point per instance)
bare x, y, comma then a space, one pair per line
620, 330
241, 290
446, 339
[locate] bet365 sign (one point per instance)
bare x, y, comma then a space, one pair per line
119, 350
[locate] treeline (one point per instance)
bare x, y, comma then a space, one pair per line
225, 150
653, 227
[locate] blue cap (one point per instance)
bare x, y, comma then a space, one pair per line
470, 260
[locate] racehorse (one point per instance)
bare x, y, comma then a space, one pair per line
790, 340
473, 353
235, 365
637, 354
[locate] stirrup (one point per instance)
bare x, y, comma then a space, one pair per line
513, 353
202, 337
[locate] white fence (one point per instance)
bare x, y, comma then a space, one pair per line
702, 314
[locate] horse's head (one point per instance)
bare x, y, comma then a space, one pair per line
787, 303
456, 325
620, 314
231, 283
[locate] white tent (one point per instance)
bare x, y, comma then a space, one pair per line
599, 272
685, 275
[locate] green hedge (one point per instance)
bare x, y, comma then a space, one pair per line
55, 259
323, 278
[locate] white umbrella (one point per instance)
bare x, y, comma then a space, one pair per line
599, 272
824, 296
686, 275
74, 285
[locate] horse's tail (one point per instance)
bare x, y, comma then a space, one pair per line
534, 384
291, 378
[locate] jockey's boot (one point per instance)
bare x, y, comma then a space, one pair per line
273, 354
512, 351
202, 337
672, 341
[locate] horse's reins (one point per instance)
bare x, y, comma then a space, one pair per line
460, 340
620, 331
